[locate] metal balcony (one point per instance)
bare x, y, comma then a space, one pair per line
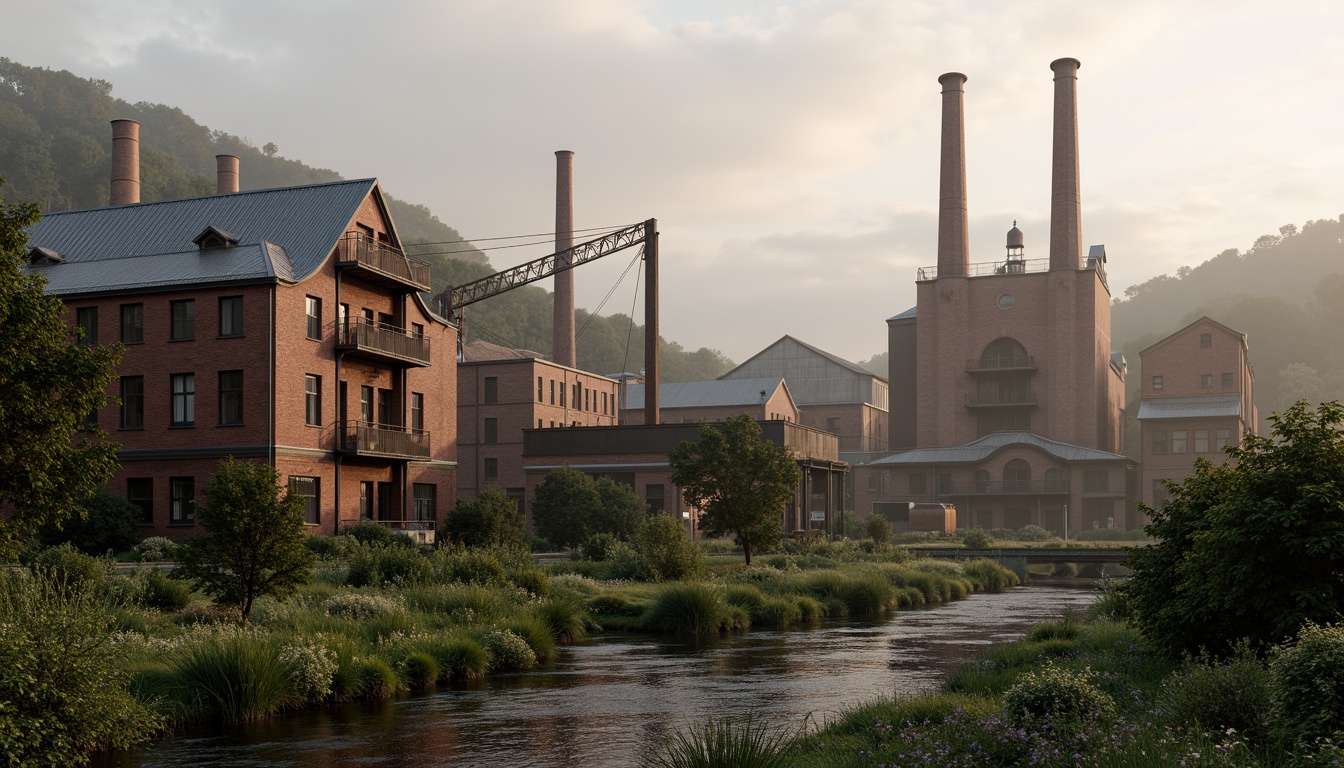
1001, 364
1002, 400
381, 343
380, 263
1001, 487
359, 438
987, 268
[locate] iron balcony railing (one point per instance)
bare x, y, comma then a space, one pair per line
392, 525
1014, 399
362, 335
364, 439
1000, 487
1001, 363
983, 268
359, 250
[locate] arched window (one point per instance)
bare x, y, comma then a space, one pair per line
1017, 476
1005, 353
982, 482
1054, 481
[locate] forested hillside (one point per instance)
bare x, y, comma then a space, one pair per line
55, 149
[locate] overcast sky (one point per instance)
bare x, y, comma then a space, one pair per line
788, 150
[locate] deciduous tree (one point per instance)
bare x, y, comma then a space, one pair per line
739, 480
489, 520
563, 506
253, 543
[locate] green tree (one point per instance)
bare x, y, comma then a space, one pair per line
740, 481
563, 506
1253, 549
664, 550
49, 460
620, 512
253, 543
489, 520
104, 523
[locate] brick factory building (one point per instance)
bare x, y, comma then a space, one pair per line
1198, 398
1007, 400
689, 402
282, 325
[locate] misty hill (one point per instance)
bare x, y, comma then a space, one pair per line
55, 150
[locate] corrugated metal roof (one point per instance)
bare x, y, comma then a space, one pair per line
164, 270
479, 349
305, 221
909, 313
705, 394
840, 361
983, 448
1190, 407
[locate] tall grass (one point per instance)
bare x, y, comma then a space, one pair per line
225, 673
726, 744
692, 608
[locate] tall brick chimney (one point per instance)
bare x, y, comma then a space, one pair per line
953, 249
1066, 214
226, 174
562, 339
125, 162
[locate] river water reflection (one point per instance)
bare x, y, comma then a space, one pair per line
608, 702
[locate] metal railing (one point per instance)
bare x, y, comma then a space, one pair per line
365, 335
983, 268
358, 249
1001, 363
1000, 487
365, 439
1001, 398
394, 525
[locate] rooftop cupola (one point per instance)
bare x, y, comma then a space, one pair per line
1017, 258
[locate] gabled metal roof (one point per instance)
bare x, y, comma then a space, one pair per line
166, 270
983, 448
1211, 406
907, 314
840, 361
148, 244
706, 394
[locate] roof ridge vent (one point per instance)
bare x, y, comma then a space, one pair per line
213, 239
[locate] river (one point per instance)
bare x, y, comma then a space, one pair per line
609, 701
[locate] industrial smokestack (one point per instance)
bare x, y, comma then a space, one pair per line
1066, 207
125, 162
562, 340
953, 249
226, 174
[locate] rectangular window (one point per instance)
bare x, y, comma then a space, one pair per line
1201, 441
306, 488
604, 403
313, 309
563, 389
184, 399
538, 423
1178, 441
575, 398
917, 483
140, 492
342, 319
422, 501
1159, 442
417, 412
552, 391
231, 316
418, 330
366, 404
944, 482
540, 391
182, 505
1206, 339
491, 393
492, 430
1157, 382
491, 469
132, 323
384, 406
1228, 382
833, 424
132, 402
312, 400
230, 398
1221, 438
1206, 381
87, 318
182, 320
656, 498
585, 398
1096, 480
873, 480
365, 500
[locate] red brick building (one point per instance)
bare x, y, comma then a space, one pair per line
1198, 398
502, 392
283, 326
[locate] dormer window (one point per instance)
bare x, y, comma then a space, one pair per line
44, 256
214, 238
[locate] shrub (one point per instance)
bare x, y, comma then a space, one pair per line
878, 529
468, 566
63, 690
332, 547
361, 607
1032, 533
156, 549
370, 533
155, 589
489, 520
78, 571
1003, 534
1068, 629
376, 678
1307, 684
1214, 696
977, 538
597, 548
1057, 696
742, 744
421, 669
664, 550
462, 658
311, 667
104, 523
375, 566
989, 576
508, 651
688, 608
537, 633
533, 580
